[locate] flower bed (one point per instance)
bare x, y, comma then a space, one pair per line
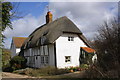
77, 68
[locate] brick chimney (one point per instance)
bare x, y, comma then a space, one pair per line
48, 17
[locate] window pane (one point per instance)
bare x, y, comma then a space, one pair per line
46, 59
68, 38
42, 59
72, 38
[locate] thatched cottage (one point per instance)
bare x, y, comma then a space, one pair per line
56, 43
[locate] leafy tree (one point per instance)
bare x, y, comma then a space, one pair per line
9, 12
6, 16
7, 7
6, 56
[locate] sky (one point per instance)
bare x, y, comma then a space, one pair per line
87, 16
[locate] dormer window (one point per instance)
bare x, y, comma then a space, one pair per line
43, 38
70, 38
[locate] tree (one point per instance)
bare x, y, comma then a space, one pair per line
6, 16
107, 47
6, 56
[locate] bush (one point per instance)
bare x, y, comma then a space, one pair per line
7, 68
84, 66
18, 62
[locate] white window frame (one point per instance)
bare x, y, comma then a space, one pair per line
70, 38
67, 59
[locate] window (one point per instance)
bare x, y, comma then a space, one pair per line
42, 59
67, 58
70, 38
43, 38
46, 59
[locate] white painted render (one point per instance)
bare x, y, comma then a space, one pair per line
14, 51
68, 48
17, 51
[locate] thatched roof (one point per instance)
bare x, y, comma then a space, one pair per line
48, 33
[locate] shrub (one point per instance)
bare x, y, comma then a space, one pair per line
18, 62
7, 68
77, 68
84, 66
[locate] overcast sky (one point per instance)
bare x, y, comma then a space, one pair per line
88, 16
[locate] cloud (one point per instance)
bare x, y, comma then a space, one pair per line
22, 28
83, 0
86, 15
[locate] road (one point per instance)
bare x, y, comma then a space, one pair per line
78, 74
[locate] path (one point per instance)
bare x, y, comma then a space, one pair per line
12, 75
78, 74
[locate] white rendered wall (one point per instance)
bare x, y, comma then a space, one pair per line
68, 48
17, 51
13, 50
